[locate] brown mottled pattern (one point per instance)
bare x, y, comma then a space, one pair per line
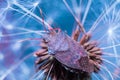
75, 57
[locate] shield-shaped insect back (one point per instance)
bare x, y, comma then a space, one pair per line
57, 41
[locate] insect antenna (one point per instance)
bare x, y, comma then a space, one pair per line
41, 13
76, 19
43, 21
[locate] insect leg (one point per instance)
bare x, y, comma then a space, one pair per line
76, 34
76, 19
85, 38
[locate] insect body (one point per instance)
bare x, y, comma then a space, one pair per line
68, 51
61, 56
